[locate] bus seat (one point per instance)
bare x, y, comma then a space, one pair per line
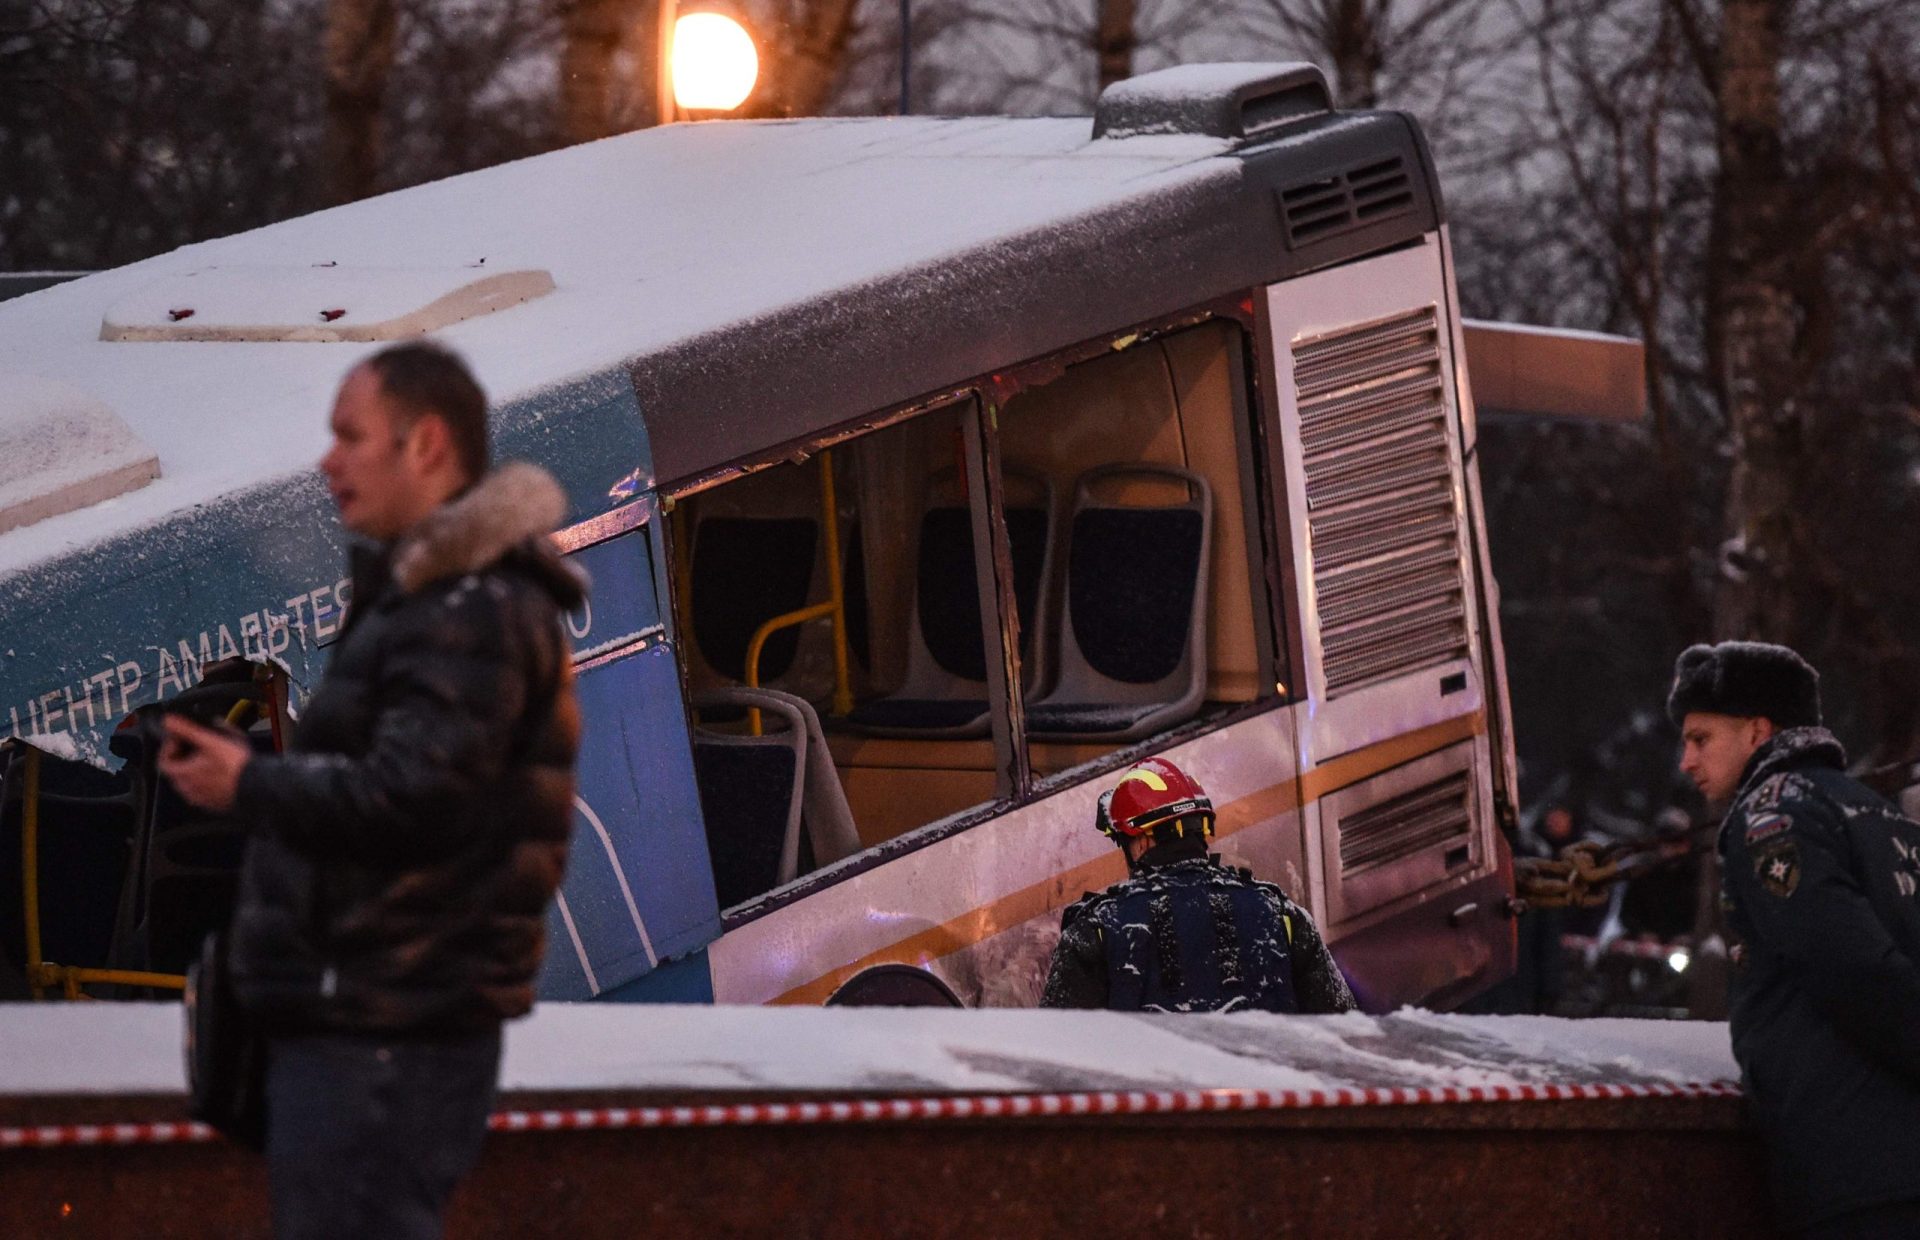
758, 792
746, 571
87, 819
185, 870
944, 693
191, 879
1132, 656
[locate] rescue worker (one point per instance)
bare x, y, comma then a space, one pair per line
1184, 933
1821, 885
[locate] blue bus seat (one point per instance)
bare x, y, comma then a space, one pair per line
944, 692
1132, 653
757, 793
87, 820
746, 571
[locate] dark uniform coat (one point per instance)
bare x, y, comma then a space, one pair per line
1822, 884
405, 849
1193, 936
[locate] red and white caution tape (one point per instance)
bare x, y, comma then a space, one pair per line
973, 1106
50, 1135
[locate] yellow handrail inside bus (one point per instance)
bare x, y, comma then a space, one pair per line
30, 865
44, 975
835, 607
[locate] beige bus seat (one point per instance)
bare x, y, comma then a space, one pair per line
757, 792
944, 691
1132, 653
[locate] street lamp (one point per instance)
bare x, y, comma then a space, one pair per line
708, 62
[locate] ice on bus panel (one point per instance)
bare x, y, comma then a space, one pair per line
910, 527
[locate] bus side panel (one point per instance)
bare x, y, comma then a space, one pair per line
982, 908
639, 886
93, 635
130, 623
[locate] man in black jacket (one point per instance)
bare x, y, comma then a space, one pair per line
1184, 933
394, 893
1820, 881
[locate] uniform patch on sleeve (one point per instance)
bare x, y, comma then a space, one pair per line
1774, 789
1767, 826
1906, 868
1777, 867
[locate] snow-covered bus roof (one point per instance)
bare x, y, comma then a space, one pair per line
753, 282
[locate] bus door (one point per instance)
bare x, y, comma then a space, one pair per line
1392, 709
639, 887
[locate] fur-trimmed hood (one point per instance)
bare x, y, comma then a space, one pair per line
507, 513
1788, 750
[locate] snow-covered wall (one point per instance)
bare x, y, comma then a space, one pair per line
62, 1049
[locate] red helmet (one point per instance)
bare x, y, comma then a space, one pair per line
1154, 792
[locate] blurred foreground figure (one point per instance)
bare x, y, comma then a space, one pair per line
393, 898
1185, 933
1821, 877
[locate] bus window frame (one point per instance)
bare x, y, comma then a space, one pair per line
1267, 553
1286, 580
1277, 631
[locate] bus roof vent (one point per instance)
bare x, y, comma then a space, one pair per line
1346, 201
61, 449
328, 302
1241, 102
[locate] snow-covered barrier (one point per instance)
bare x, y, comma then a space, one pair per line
808, 1121
133, 1049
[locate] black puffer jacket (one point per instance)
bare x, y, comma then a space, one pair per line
405, 849
1823, 893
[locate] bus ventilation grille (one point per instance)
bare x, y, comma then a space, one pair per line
1381, 501
1316, 210
1411, 823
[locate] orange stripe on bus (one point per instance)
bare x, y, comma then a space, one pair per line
1056, 891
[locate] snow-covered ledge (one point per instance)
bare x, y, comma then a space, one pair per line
127, 1049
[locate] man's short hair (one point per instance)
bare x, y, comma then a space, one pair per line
422, 377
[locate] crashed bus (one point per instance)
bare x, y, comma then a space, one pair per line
928, 471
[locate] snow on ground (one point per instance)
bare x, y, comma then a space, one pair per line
652, 239
134, 1048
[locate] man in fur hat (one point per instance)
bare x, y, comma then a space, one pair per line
1822, 892
394, 893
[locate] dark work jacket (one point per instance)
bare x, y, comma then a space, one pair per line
405, 849
1193, 936
1821, 884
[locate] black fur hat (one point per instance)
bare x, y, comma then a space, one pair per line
1748, 679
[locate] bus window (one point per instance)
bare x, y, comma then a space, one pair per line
1158, 621
814, 737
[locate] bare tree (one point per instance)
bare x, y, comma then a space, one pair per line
1113, 41
804, 53
357, 58
609, 66
1376, 47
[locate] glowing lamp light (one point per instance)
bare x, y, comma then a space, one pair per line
1679, 960
713, 62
